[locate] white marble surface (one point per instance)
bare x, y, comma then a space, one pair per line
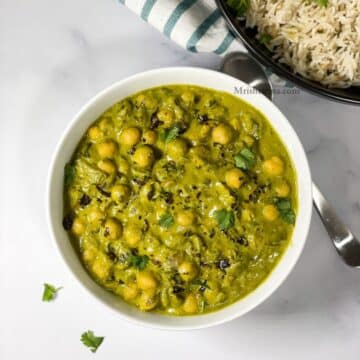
55, 55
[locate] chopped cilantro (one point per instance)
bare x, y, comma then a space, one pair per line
166, 221
91, 341
285, 210
245, 159
239, 6
138, 261
69, 174
170, 134
224, 218
50, 292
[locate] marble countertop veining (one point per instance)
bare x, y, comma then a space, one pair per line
55, 55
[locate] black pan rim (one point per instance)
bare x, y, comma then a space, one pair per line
258, 54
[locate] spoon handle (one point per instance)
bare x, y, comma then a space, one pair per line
340, 235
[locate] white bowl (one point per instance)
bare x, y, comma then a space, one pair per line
129, 86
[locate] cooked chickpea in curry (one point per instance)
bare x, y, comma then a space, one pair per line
180, 199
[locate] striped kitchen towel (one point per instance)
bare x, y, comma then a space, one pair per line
196, 25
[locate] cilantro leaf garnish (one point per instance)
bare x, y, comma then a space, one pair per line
91, 341
69, 174
239, 6
224, 218
166, 220
323, 3
245, 159
138, 261
50, 292
285, 210
203, 285
265, 39
170, 134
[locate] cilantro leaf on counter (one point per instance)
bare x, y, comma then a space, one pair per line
50, 292
91, 341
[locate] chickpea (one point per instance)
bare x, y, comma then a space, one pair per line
147, 101
113, 229
151, 291
188, 97
247, 215
235, 123
89, 253
146, 280
95, 133
190, 305
270, 212
147, 301
132, 235
179, 113
150, 137
107, 166
106, 149
234, 178
73, 197
124, 166
199, 154
185, 218
140, 100
216, 112
208, 100
167, 116
282, 189
168, 185
211, 293
249, 140
187, 270
105, 124
274, 166
130, 136
120, 193
144, 156
222, 134
177, 148
200, 151
101, 268
78, 227
204, 131
247, 123
130, 292
95, 215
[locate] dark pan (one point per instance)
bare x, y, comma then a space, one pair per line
350, 95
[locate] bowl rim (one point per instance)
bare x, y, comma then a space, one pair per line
306, 84
305, 203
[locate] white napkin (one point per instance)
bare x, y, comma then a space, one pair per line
196, 25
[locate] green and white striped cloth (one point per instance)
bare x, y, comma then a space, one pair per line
196, 25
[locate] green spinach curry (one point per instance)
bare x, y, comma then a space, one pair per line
180, 199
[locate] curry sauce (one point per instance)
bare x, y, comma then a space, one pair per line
180, 199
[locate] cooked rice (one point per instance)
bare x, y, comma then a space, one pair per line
320, 43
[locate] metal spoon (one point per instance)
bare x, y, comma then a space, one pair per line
243, 67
